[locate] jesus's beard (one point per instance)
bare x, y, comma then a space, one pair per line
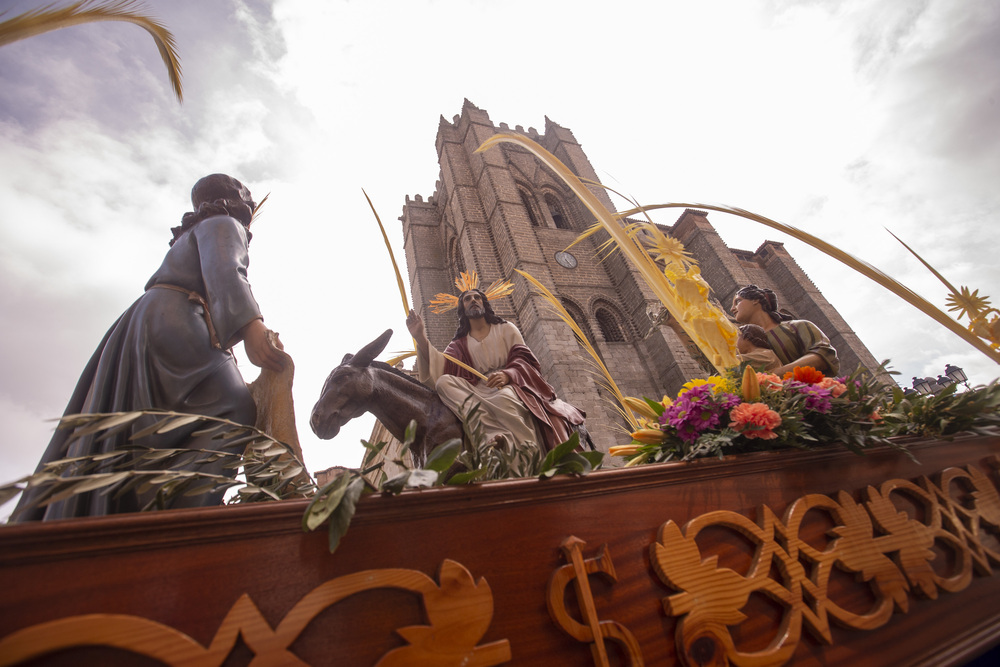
475, 312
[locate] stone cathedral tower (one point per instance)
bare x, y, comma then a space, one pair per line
501, 210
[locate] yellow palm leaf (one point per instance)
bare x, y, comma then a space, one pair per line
584, 342
861, 266
706, 324
46, 19
392, 257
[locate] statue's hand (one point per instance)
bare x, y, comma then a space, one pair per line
416, 326
259, 349
498, 380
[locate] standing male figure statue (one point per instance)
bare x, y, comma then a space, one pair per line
516, 403
171, 351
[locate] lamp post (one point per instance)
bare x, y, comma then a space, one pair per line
956, 374
952, 375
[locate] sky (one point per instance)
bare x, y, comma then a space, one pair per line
841, 118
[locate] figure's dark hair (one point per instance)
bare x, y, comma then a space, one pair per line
464, 326
217, 194
234, 209
767, 300
755, 335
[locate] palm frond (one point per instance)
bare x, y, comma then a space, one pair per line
49, 18
703, 321
859, 265
581, 338
256, 210
392, 257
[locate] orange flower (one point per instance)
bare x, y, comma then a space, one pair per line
768, 380
836, 388
806, 374
755, 420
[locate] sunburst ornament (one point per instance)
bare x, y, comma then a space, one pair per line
443, 302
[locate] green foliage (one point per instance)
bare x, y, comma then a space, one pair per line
270, 469
946, 413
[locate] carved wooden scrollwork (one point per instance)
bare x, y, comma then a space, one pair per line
459, 611
592, 630
884, 548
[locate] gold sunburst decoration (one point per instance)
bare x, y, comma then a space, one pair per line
443, 302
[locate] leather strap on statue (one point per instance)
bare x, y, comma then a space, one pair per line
200, 300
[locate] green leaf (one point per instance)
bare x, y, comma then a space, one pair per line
594, 458
325, 502
396, 483
656, 406
9, 492
100, 481
553, 457
177, 423
411, 432
443, 456
341, 519
466, 477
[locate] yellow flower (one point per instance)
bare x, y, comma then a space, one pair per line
640, 406
648, 436
967, 303
751, 387
718, 384
624, 450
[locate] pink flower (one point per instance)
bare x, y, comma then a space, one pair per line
836, 388
755, 420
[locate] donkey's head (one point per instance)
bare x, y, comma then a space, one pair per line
348, 391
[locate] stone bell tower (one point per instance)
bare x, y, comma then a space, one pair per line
501, 210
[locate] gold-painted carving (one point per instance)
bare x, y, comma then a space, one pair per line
459, 612
593, 630
894, 560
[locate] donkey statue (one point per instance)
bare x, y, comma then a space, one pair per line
360, 384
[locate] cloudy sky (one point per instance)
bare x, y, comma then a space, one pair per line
841, 118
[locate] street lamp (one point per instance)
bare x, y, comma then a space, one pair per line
952, 375
956, 374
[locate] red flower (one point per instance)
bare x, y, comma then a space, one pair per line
805, 374
755, 420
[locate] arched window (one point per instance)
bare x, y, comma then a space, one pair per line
581, 320
527, 200
611, 330
556, 211
455, 257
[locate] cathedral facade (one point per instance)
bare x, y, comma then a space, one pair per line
501, 210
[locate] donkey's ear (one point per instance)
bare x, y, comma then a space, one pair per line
366, 354
347, 357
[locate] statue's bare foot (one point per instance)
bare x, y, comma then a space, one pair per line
499, 441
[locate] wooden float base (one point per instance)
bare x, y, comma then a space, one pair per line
814, 557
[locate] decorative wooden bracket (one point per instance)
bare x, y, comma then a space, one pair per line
459, 611
884, 548
592, 630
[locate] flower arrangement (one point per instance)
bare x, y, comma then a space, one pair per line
727, 415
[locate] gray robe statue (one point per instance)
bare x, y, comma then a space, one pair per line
160, 355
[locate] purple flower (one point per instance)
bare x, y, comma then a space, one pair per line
697, 410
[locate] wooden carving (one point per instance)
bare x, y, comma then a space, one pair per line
887, 551
459, 612
593, 630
